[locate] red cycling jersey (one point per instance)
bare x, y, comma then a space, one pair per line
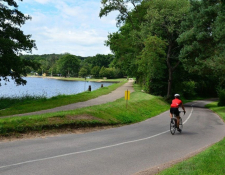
176, 103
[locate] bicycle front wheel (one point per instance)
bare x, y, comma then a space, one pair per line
173, 126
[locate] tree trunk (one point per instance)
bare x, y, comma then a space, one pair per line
169, 84
169, 71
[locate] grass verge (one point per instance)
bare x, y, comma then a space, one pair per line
140, 107
210, 161
24, 105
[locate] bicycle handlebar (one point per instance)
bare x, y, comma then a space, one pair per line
183, 112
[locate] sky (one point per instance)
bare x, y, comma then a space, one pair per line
72, 26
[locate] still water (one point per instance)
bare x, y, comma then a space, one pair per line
47, 87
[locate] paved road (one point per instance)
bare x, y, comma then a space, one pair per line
118, 151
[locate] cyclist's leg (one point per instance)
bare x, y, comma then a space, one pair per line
178, 121
178, 117
171, 113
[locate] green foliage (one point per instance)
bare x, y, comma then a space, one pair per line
83, 72
151, 64
188, 89
68, 65
95, 71
100, 60
221, 94
203, 42
122, 7
50, 64
148, 18
163, 19
203, 38
13, 42
125, 44
105, 72
195, 36
109, 72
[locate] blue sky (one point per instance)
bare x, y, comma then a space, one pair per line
73, 26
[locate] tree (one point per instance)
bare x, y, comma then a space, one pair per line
13, 42
147, 18
95, 71
122, 7
83, 72
203, 40
151, 64
100, 60
163, 20
125, 44
68, 65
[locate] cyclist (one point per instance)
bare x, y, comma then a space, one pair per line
176, 103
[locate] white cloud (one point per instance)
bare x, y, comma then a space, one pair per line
42, 1
68, 26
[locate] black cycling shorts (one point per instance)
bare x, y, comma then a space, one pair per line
175, 111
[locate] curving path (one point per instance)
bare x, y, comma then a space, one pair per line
118, 151
114, 95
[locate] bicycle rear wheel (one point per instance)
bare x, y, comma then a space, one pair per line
173, 126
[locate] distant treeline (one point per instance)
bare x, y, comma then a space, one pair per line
69, 65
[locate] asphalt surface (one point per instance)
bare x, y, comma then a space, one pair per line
117, 151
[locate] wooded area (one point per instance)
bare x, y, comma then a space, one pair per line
170, 46
68, 65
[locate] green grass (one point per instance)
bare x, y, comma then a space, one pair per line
140, 107
210, 161
6, 102
87, 79
29, 105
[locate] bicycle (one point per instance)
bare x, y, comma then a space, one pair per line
173, 124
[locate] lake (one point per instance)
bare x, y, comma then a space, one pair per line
47, 87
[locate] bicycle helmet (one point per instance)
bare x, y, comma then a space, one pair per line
177, 95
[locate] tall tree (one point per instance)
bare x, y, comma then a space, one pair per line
151, 64
126, 44
123, 8
13, 42
203, 39
147, 18
68, 65
163, 20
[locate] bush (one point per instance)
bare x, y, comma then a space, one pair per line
221, 94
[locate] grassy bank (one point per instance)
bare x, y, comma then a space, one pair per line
140, 107
82, 79
210, 161
19, 105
